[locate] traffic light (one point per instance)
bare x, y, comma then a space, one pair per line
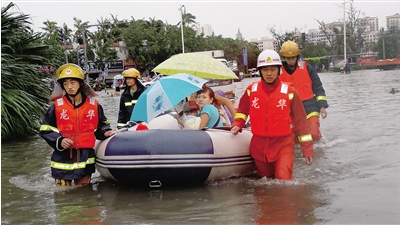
303, 37
60, 35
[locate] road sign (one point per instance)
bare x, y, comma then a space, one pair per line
244, 52
105, 73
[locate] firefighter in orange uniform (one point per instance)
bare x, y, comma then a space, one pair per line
273, 106
71, 126
306, 81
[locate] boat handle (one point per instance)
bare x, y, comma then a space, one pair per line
155, 184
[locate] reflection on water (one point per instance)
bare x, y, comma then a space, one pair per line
356, 164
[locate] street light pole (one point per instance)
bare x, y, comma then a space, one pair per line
85, 54
383, 43
344, 30
183, 43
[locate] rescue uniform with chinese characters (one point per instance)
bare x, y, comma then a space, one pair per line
306, 81
273, 109
83, 123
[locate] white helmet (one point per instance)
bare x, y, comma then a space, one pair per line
268, 58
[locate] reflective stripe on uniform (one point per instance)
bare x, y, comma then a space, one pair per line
314, 113
321, 98
305, 138
130, 103
72, 166
291, 96
48, 128
121, 124
240, 115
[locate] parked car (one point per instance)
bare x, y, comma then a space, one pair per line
226, 86
147, 84
109, 82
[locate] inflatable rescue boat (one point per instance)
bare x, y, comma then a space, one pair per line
168, 155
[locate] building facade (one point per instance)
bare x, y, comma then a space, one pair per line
393, 22
265, 43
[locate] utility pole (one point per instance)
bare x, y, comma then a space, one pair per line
85, 53
383, 43
62, 39
344, 30
183, 43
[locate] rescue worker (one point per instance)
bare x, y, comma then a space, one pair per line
273, 106
133, 89
306, 81
71, 126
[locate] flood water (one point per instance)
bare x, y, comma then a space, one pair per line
355, 177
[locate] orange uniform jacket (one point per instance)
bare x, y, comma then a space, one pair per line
301, 80
272, 143
308, 84
81, 132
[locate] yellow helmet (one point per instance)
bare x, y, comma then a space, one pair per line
70, 71
290, 49
131, 73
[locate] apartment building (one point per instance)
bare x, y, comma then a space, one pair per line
371, 24
265, 43
207, 30
393, 22
369, 29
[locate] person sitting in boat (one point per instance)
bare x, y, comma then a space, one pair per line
208, 112
225, 108
190, 120
133, 89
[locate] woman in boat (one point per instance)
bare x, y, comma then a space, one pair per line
208, 112
133, 89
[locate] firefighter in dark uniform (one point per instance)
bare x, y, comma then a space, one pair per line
71, 126
133, 89
306, 81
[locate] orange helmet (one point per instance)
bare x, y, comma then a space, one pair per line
131, 73
290, 49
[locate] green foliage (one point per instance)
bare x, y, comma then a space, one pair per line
317, 60
24, 96
394, 90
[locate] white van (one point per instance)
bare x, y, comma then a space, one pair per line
227, 86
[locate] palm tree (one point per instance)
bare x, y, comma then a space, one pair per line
188, 19
80, 27
67, 33
24, 96
50, 28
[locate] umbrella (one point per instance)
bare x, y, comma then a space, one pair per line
202, 66
165, 94
116, 78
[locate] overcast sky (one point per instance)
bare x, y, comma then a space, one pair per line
252, 17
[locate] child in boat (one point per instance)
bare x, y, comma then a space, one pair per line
223, 108
190, 120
